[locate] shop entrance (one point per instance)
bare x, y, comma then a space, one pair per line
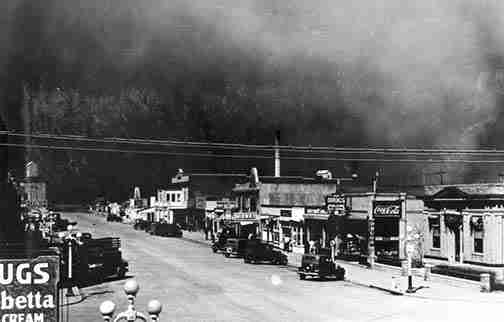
386, 240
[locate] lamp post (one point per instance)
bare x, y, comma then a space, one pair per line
131, 288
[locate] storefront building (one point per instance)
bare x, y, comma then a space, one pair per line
274, 207
378, 226
197, 188
465, 223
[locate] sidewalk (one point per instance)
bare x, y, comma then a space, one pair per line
389, 279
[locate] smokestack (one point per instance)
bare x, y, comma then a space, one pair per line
277, 154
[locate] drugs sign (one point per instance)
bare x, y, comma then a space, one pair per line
28, 289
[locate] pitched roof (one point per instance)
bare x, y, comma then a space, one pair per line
467, 190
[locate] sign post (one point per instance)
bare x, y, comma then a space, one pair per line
29, 289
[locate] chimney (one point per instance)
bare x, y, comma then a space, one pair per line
277, 154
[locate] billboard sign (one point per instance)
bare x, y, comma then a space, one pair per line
28, 289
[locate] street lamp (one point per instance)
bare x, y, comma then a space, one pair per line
131, 288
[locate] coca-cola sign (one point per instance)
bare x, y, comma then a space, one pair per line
387, 209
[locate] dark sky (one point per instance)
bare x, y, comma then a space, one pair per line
340, 73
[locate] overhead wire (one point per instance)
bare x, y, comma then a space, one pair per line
256, 147
247, 156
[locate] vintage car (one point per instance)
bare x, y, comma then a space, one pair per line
165, 230
320, 266
263, 252
236, 246
220, 243
141, 224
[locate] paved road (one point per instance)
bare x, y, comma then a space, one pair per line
194, 284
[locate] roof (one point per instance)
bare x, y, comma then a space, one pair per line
466, 190
296, 179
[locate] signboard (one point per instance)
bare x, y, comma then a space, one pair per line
316, 213
391, 209
335, 204
180, 179
243, 215
29, 290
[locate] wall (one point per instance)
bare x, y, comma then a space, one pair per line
295, 194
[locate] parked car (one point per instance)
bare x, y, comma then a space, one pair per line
236, 246
114, 217
94, 259
263, 252
141, 224
220, 243
320, 266
165, 230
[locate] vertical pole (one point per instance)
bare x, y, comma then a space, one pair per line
277, 154
371, 233
70, 260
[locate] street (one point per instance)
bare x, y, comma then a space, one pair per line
194, 284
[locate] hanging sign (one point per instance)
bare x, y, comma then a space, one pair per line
387, 209
335, 204
28, 289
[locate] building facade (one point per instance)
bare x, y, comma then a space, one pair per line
379, 226
185, 198
465, 223
34, 188
273, 208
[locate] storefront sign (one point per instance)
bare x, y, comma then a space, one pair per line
316, 213
335, 204
387, 209
29, 290
243, 215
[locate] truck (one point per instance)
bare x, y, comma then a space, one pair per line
93, 259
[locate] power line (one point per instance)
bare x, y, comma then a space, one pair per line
241, 146
248, 156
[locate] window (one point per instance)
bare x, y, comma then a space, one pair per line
478, 233
436, 237
179, 197
434, 226
253, 204
172, 197
478, 242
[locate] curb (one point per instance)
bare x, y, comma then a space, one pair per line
436, 278
201, 242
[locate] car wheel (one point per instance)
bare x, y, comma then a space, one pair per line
226, 254
302, 276
284, 262
214, 249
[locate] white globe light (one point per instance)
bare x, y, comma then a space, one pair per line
276, 280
